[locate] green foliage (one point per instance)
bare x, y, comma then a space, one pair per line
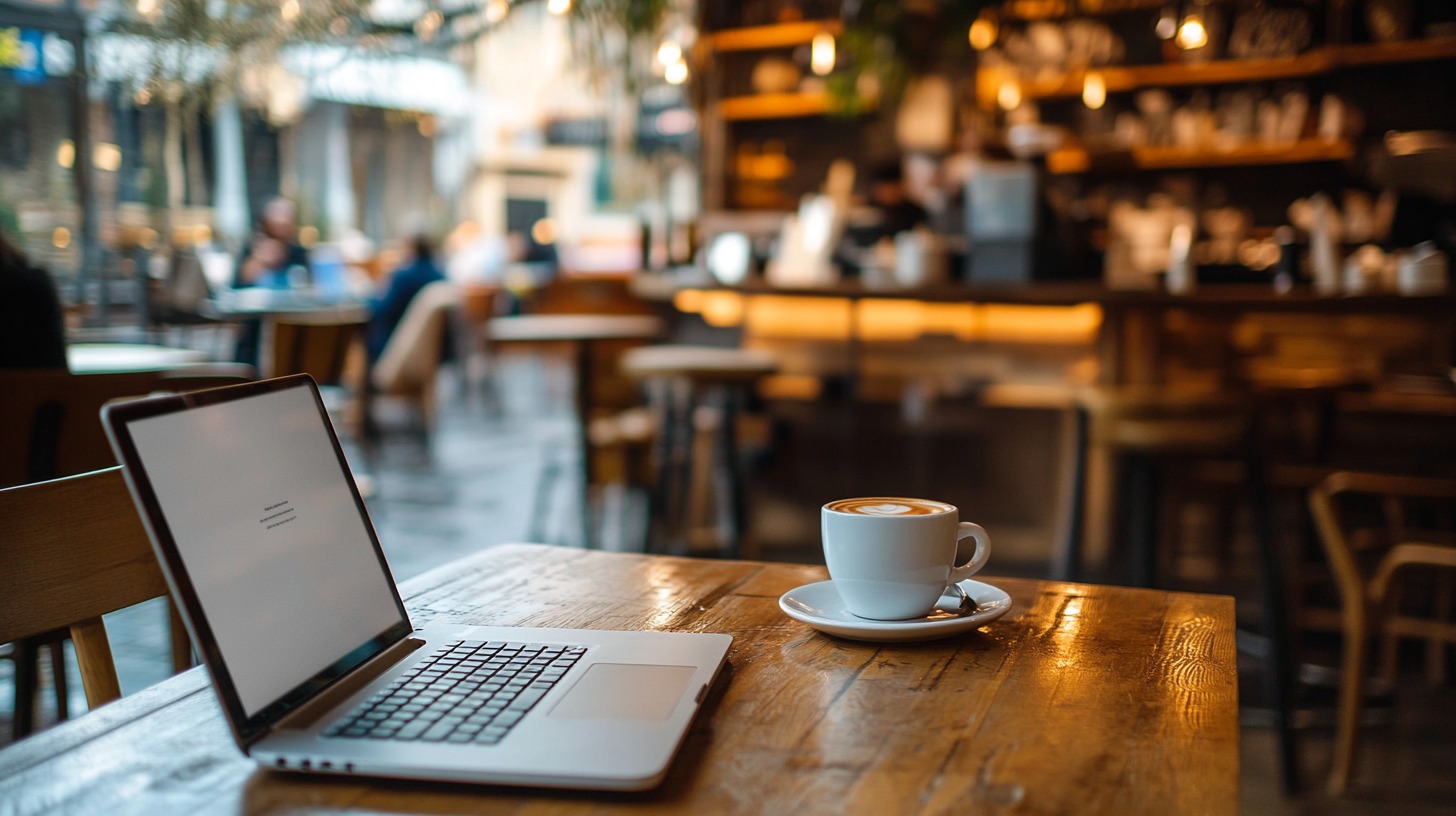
886, 42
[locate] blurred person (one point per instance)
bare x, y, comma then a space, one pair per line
418, 271
273, 259
890, 195
32, 327
274, 252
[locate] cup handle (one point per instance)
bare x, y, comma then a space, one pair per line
978, 559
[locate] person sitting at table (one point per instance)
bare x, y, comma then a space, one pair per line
32, 329
272, 259
386, 310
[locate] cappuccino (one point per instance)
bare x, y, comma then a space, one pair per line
885, 507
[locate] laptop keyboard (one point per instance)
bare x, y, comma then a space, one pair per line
469, 692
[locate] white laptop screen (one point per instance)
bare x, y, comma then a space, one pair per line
268, 530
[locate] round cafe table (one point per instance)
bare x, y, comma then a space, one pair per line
582, 331
100, 358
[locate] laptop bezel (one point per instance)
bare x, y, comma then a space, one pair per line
116, 418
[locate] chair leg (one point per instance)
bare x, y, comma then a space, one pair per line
1436, 646
58, 679
1352, 695
1072, 486
1142, 505
27, 677
181, 643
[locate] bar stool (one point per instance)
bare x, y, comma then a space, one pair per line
697, 392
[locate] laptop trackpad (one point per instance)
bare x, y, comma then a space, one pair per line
621, 691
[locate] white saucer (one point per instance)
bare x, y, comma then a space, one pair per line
820, 606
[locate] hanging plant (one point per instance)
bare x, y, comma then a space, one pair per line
887, 42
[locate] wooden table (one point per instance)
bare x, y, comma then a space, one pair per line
582, 331
1082, 699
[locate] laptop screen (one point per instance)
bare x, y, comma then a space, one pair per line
279, 554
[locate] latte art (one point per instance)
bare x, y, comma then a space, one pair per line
880, 506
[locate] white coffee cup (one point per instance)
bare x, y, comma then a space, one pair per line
893, 558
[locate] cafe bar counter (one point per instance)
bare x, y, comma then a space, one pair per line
1080, 700
1125, 338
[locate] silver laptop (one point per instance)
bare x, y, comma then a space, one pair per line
271, 555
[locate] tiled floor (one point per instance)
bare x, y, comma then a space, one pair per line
475, 485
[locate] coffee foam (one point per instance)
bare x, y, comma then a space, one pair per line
889, 507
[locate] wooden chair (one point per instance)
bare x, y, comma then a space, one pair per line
474, 351
50, 426
53, 416
329, 349
75, 549
409, 365
1366, 559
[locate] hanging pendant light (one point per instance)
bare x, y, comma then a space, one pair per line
1094, 90
822, 54
1193, 32
984, 30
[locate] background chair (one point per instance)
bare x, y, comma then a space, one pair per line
75, 549
326, 348
1404, 522
410, 363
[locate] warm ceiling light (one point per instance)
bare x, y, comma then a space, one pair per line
677, 73
669, 52
496, 10
1192, 35
66, 154
1094, 90
821, 53
558, 7
60, 238
1008, 95
984, 31
147, 8
290, 10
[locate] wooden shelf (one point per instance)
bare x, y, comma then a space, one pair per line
1075, 160
759, 38
1315, 62
774, 106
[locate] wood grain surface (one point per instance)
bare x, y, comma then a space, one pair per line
1082, 699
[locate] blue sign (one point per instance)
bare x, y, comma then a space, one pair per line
22, 51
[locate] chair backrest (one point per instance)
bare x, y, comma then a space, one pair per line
74, 549
1389, 516
322, 348
412, 356
50, 424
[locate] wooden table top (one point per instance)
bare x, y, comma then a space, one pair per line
1082, 699
97, 358
554, 327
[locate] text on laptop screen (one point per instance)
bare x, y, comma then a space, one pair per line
266, 524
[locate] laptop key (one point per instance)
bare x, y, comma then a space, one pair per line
436, 732
526, 699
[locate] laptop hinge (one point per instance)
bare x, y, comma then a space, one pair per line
307, 714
